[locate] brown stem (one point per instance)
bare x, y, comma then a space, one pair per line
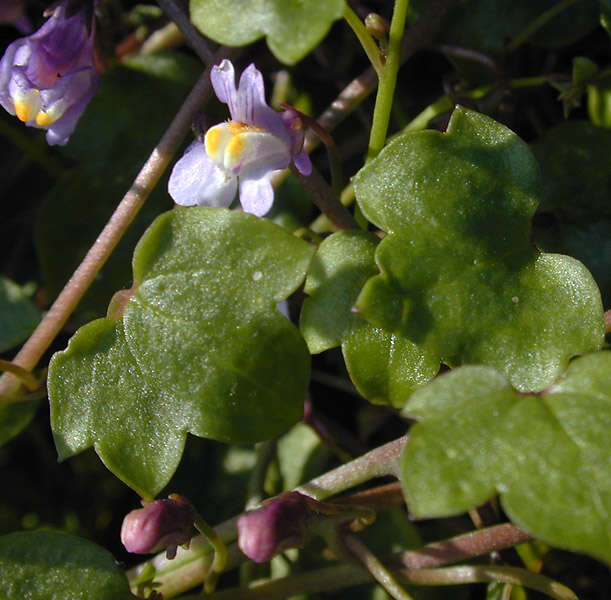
377, 498
323, 197
463, 547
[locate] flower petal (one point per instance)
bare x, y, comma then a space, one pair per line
303, 163
222, 78
256, 195
252, 154
196, 179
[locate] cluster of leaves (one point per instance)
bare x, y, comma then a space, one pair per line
480, 254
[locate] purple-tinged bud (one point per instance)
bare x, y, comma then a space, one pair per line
160, 525
279, 524
47, 78
11, 12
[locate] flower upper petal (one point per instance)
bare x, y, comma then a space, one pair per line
256, 195
247, 102
196, 179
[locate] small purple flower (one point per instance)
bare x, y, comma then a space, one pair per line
47, 78
160, 525
244, 151
279, 524
11, 11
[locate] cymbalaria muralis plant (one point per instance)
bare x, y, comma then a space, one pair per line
350, 342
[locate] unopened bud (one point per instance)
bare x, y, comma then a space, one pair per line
160, 525
279, 524
377, 26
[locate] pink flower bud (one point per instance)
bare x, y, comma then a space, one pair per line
160, 525
279, 524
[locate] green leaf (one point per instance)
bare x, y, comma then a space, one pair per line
196, 346
459, 276
292, 28
43, 565
546, 455
385, 368
18, 316
117, 125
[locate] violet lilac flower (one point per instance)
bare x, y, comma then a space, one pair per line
242, 152
47, 78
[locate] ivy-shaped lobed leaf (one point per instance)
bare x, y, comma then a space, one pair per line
292, 27
384, 367
39, 565
547, 455
197, 345
459, 276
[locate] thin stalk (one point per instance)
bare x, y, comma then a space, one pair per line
537, 23
365, 38
219, 561
196, 40
29, 381
98, 254
388, 80
485, 573
376, 463
444, 104
343, 576
381, 574
322, 196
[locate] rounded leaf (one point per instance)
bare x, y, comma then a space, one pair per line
196, 346
39, 565
459, 276
292, 27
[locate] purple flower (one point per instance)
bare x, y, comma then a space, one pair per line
11, 11
47, 78
279, 524
242, 152
160, 525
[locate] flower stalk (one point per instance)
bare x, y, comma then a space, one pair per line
388, 80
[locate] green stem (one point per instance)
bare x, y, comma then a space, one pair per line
444, 104
219, 561
537, 23
381, 574
365, 38
28, 380
388, 80
343, 576
485, 573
